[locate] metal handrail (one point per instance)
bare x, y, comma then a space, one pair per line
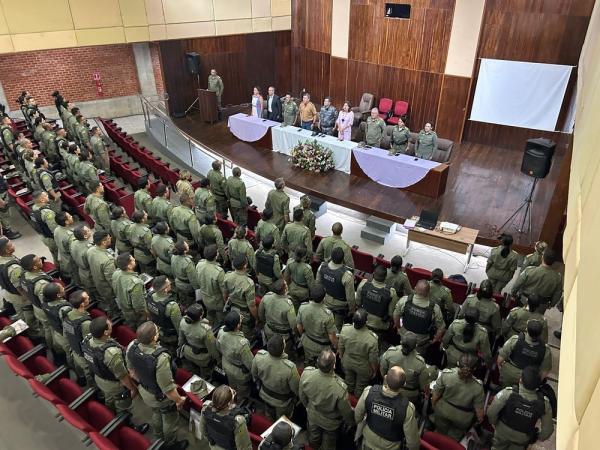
159, 111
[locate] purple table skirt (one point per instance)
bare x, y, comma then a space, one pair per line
394, 171
249, 129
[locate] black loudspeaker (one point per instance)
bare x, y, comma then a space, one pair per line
192, 62
537, 158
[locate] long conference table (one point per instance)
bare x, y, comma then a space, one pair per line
405, 172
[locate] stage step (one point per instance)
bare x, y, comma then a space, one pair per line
375, 235
318, 206
386, 226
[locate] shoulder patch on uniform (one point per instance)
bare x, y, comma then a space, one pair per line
289, 363
374, 335
308, 369
341, 382
261, 352
447, 370
328, 311
478, 380
420, 358
346, 325
244, 341
289, 302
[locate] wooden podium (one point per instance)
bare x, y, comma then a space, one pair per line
207, 105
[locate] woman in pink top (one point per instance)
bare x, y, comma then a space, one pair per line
344, 123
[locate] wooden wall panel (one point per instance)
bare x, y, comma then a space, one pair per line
452, 108
243, 61
311, 72
420, 43
338, 79
311, 24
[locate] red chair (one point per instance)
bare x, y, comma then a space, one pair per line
253, 218
385, 107
441, 441
316, 240
88, 417
123, 334
227, 227
19, 345
415, 275
123, 437
458, 290
381, 261
61, 391
36, 365
400, 111
425, 446
363, 262
258, 425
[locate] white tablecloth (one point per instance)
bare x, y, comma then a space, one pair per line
286, 138
249, 128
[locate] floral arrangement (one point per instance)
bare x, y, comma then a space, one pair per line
310, 155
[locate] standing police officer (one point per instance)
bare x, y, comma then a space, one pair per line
140, 237
79, 253
215, 84
378, 300
196, 343
338, 282
97, 208
102, 267
299, 277
279, 202
129, 290
204, 201
217, 187
296, 233
238, 292
327, 117
164, 311
76, 325
266, 264
236, 193
210, 276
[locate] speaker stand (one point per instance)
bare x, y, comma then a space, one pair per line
197, 100
527, 203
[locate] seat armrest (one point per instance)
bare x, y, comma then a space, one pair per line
157, 445
56, 374
89, 393
34, 351
115, 423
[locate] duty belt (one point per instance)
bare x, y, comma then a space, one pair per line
461, 408
276, 395
143, 250
163, 260
279, 330
243, 368
185, 234
197, 350
316, 341
182, 280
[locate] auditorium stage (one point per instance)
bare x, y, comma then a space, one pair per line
484, 187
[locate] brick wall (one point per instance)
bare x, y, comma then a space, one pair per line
157, 68
71, 72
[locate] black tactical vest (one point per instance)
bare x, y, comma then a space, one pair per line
144, 365
53, 314
332, 281
94, 356
220, 428
5, 279
376, 300
522, 415
158, 315
385, 415
30, 286
38, 224
73, 331
264, 264
40, 172
525, 354
417, 319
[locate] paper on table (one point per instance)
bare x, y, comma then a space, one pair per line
19, 326
409, 224
268, 431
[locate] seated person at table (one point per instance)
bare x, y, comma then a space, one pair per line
374, 129
426, 142
400, 136
290, 110
308, 112
327, 116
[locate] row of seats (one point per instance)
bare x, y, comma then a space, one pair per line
392, 116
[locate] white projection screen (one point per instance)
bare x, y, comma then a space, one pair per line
520, 94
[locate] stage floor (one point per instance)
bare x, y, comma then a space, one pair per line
485, 185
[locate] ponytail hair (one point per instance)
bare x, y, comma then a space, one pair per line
507, 241
194, 313
471, 317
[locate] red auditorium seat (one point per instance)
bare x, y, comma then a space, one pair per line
416, 274
122, 438
123, 334
227, 227
36, 365
381, 261
258, 425
61, 391
315, 242
363, 262
91, 416
441, 441
19, 345
400, 110
458, 290
253, 218
385, 107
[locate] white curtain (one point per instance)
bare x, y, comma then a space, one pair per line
520, 94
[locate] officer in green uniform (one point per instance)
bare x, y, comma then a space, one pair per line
162, 247
442, 296
426, 144
97, 208
378, 300
32, 281
400, 137
359, 352
71, 160
277, 377
184, 222
129, 290
210, 234
299, 277
105, 358
71, 124
279, 202
79, 253
161, 206
184, 184
235, 350
238, 200
535, 258
86, 170
489, 311
327, 245
142, 198
517, 319
102, 266
290, 111
215, 84
7, 136
184, 271
76, 325
45, 224
10, 276
153, 368
374, 129
420, 315
542, 281
5, 219
416, 371
466, 336
397, 279
164, 311
325, 397
48, 183
140, 236
266, 226
82, 132
316, 325
338, 282
309, 218
223, 423
218, 188
276, 312
458, 399
238, 292
502, 263
37, 132
515, 412
196, 343
239, 245
210, 276
399, 426
48, 139
525, 349
296, 233
99, 150
64, 237
267, 265
204, 201
56, 307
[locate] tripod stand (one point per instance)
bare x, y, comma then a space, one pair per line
527, 216
197, 99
